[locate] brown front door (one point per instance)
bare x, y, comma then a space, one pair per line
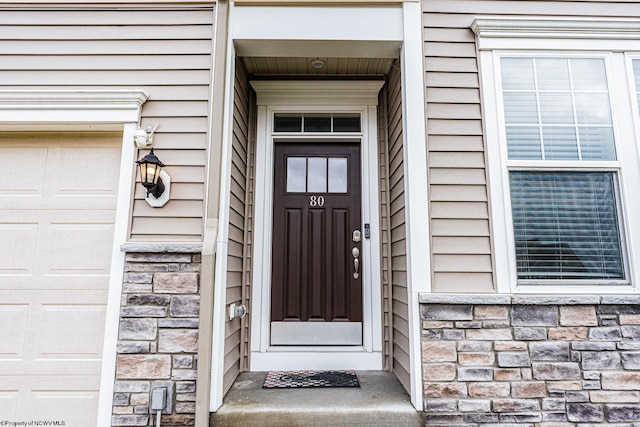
316, 293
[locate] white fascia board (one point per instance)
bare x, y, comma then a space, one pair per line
336, 31
316, 92
102, 106
541, 32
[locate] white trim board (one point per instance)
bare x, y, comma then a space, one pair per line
89, 110
300, 97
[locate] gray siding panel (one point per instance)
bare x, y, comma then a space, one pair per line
457, 173
236, 271
163, 50
396, 247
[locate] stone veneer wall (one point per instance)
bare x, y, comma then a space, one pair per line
158, 335
525, 360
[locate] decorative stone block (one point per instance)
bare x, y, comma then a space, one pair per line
530, 334
615, 396
490, 312
439, 351
593, 346
476, 359
489, 334
452, 334
605, 334
143, 311
529, 389
622, 412
148, 366
549, 351
524, 315
620, 380
510, 346
474, 406
513, 359
631, 332
444, 390
568, 334
630, 319
182, 361
507, 374
178, 341
515, 405
595, 360
435, 324
148, 299
138, 329
494, 389
132, 386
185, 386
156, 257
578, 316
120, 399
471, 419
185, 407
533, 417
185, 306
556, 371
440, 405
446, 312
553, 404
584, 412
439, 372
475, 374
631, 361
129, 420
137, 277
474, 345
576, 396
175, 283
432, 334
178, 323
129, 347
183, 374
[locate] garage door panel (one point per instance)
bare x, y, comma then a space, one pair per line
79, 178
73, 398
13, 318
9, 403
69, 332
56, 229
14, 161
80, 248
18, 248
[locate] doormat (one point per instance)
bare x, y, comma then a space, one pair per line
310, 379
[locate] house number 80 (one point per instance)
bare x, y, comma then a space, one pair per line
316, 201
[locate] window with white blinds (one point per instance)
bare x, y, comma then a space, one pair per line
560, 151
566, 225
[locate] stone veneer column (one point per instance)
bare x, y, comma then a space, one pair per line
158, 334
544, 361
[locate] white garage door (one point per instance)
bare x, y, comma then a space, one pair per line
57, 208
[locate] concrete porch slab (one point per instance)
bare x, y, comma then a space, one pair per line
379, 401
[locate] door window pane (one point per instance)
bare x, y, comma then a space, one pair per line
317, 123
287, 123
296, 174
337, 175
566, 225
317, 175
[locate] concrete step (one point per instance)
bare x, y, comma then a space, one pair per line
379, 401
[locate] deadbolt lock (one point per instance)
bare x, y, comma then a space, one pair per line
357, 236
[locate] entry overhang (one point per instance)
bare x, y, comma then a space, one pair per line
338, 31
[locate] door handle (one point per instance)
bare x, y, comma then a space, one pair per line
356, 261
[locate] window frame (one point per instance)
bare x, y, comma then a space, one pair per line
497, 38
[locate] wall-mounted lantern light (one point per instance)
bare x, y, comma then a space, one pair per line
156, 181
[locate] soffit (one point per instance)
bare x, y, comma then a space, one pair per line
302, 66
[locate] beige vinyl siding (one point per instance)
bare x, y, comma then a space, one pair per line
461, 235
235, 329
165, 51
396, 247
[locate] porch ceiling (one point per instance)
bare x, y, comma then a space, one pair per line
302, 66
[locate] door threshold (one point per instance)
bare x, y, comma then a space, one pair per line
379, 401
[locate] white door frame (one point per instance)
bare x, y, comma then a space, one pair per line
316, 96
